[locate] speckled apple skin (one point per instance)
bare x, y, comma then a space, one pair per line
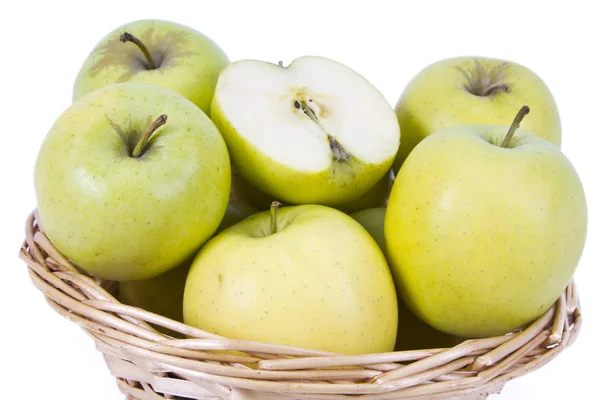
483, 239
437, 98
188, 62
321, 282
124, 218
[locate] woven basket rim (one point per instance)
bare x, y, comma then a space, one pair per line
148, 364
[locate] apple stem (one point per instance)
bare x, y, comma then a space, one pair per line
513, 128
128, 37
157, 123
502, 86
339, 154
274, 207
485, 81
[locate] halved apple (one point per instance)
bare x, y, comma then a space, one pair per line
315, 131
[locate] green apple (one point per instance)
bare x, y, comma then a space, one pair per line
412, 334
162, 294
244, 193
314, 132
235, 213
159, 52
372, 220
473, 90
375, 197
415, 334
307, 276
131, 180
484, 229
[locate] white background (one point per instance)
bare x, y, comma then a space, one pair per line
43, 46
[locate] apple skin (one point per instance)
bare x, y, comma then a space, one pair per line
482, 239
372, 220
189, 62
375, 197
124, 218
437, 98
412, 334
320, 282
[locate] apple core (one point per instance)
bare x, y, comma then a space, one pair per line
339, 154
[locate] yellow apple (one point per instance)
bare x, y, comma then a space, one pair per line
307, 276
473, 90
483, 231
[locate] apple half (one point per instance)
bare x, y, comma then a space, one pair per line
315, 131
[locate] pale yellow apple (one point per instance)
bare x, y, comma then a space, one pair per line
473, 90
482, 239
313, 279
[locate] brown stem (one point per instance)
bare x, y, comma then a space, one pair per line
517, 121
157, 123
274, 207
128, 37
503, 86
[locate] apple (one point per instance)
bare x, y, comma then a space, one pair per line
158, 52
131, 180
162, 294
473, 90
375, 197
372, 220
415, 334
235, 213
412, 333
307, 276
484, 229
244, 193
314, 132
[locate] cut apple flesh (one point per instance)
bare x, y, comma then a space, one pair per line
309, 116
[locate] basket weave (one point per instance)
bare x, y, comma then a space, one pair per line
149, 365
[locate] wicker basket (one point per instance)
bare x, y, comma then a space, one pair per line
149, 365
